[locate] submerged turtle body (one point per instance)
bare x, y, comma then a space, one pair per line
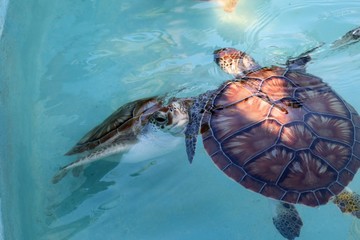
146, 120
284, 134
121, 126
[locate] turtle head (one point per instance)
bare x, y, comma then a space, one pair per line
235, 62
172, 118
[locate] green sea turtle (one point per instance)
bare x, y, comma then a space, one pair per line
280, 132
141, 129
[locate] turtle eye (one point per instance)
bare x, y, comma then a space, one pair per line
159, 117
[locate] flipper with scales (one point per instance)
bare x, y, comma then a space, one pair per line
287, 220
77, 165
349, 38
193, 127
348, 202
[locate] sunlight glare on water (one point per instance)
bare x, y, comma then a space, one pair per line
67, 65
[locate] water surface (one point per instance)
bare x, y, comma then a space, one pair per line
66, 65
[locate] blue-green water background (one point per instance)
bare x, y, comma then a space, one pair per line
66, 65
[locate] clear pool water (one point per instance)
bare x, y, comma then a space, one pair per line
66, 65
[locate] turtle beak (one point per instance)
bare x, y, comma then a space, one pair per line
218, 54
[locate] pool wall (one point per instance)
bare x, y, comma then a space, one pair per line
19, 85
3, 9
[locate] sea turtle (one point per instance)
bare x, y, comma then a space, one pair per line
148, 121
280, 132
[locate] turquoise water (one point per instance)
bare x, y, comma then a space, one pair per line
66, 65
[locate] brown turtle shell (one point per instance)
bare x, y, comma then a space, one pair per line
284, 134
121, 126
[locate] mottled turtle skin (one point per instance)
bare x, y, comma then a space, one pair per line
281, 132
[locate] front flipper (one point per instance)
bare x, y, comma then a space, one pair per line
191, 132
348, 202
193, 127
287, 220
93, 156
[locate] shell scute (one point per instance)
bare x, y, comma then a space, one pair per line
252, 183
278, 88
296, 136
345, 177
244, 145
323, 102
227, 121
221, 161
307, 172
235, 172
336, 188
272, 191
353, 165
323, 195
356, 149
270, 165
332, 128
291, 197
309, 198
335, 154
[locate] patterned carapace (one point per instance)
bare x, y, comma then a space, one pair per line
285, 134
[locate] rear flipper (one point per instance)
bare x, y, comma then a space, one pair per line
350, 37
287, 220
348, 202
299, 63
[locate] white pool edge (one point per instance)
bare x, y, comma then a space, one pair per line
3, 10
